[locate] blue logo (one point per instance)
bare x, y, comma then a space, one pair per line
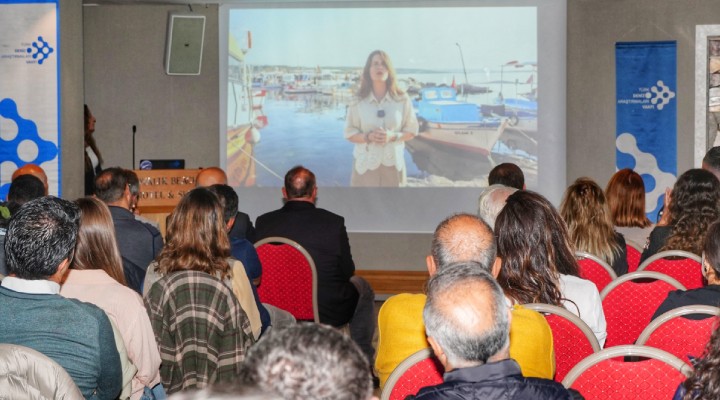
41, 50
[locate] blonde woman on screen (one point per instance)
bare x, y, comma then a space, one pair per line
379, 120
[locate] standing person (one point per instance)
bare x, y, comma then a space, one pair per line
625, 193
342, 296
590, 227
379, 121
96, 277
93, 158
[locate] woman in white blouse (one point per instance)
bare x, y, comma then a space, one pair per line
379, 120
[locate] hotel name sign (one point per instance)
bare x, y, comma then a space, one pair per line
164, 187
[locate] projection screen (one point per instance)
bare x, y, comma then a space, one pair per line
484, 83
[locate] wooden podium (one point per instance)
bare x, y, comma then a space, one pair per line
161, 190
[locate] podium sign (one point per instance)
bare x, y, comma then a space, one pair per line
163, 188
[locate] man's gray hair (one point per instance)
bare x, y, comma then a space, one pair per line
463, 237
462, 340
492, 201
309, 361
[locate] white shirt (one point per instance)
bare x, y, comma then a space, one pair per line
362, 117
588, 305
39, 286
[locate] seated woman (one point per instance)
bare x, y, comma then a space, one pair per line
96, 276
702, 384
708, 295
587, 216
538, 261
625, 194
202, 330
690, 208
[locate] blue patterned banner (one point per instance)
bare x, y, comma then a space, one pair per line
29, 89
646, 132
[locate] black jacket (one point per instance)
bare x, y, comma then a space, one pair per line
497, 380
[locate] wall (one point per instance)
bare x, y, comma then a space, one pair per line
126, 85
593, 29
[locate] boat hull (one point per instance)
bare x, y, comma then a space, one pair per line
475, 137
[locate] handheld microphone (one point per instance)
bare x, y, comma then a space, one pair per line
381, 113
134, 130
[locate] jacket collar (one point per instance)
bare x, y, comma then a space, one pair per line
298, 205
486, 372
120, 213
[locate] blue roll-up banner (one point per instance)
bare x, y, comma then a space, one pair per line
29, 90
646, 135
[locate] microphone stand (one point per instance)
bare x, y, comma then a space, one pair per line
134, 130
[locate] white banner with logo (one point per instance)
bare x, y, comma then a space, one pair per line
29, 90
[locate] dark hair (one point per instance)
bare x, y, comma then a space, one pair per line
507, 174
463, 237
90, 141
196, 238
694, 205
299, 182
712, 158
96, 244
711, 247
23, 189
366, 84
463, 340
625, 193
40, 236
110, 184
535, 248
702, 384
228, 198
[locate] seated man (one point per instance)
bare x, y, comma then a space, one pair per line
242, 227
308, 361
461, 237
342, 296
39, 247
23, 189
34, 170
468, 324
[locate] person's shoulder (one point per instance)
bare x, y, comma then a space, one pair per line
87, 310
547, 389
403, 302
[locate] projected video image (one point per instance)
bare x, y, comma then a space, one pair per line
452, 92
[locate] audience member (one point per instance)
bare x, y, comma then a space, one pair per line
309, 361
139, 243
538, 261
93, 158
242, 227
236, 390
39, 249
96, 276
691, 206
590, 227
507, 174
342, 296
34, 170
492, 201
711, 161
201, 325
134, 186
468, 323
460, 237
708, 295
702, 384
23, 189
625, 193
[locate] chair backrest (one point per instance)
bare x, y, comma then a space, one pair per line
420, 369
629, 305
604, 375
26, 373
595, 269
634, 254
289, 278
681, 336
573, 340
684, 266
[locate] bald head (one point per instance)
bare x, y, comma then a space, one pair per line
492, 201
34, 170
211, 176
300, 184
463, 237
466, 316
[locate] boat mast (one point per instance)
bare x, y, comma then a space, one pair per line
462, 90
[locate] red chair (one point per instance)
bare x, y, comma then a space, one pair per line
594, 269
681, 336
573, 340
604, 375
289, 278
420, 369
629, 305
684, 266
634, 254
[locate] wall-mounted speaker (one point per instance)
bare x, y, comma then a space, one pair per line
184, 44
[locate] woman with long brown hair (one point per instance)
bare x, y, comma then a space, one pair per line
590, 227
538, 260
96, 276
379, 121
93, 158
625, 194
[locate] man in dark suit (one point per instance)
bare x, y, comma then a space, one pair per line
342, 297
242, 227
